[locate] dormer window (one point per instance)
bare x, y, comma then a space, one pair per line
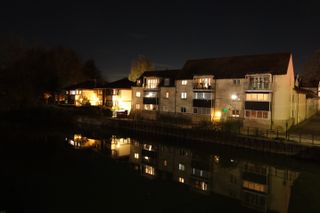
166, 82
138, 82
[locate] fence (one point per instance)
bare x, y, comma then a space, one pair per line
301, 138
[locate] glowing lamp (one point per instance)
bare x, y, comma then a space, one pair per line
234, 97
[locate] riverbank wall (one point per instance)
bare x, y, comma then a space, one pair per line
204, 136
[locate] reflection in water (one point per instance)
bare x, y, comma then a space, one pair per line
257, 186
79, 142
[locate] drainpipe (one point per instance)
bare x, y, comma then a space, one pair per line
175, 99
271, 103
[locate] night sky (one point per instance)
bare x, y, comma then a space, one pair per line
168, 32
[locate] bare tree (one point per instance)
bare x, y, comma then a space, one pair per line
139, 66
311, 74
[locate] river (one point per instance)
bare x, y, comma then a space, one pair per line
79, 171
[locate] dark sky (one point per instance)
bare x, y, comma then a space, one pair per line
168, 32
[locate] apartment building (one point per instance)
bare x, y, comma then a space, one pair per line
155, 91
257, 89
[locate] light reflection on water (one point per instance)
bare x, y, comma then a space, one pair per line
255, 185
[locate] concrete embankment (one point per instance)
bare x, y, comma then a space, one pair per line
207, 136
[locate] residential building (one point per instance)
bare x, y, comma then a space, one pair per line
155, 91
257, 186
258, 90
88, 93
118, 96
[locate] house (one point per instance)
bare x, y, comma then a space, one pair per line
256, 89
314, 87
86, 93
118, 96
305, 104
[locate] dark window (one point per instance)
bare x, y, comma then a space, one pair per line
166, 82
247, 113
265, 114
236, 81
253, 114
195, 110
257, 105
259, 114
183, 109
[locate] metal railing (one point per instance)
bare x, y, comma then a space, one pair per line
301, 138
258, 86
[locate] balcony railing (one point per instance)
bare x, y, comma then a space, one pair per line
201, 86
150, 100
259, 86
202, 103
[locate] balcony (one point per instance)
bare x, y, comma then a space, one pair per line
147, 100
203, 83
202, 103
259, 86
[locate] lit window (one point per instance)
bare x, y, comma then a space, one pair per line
204, 186
137, 106
150, 107
260, 97
150, 94
254, 186
181, 167
201, 173
147, 147
183, 109
167, 94
181, 179
165, 163
149, 170
138, 94
184, 82
235, 113
136, 155
183, 95
72, 92
152, 83
257, 97
216, 158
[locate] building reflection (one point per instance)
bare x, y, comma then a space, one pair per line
257, 186
81, 142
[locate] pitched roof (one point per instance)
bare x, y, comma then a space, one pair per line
122, 83
90, 84
237, 66
309, 93
161, 73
